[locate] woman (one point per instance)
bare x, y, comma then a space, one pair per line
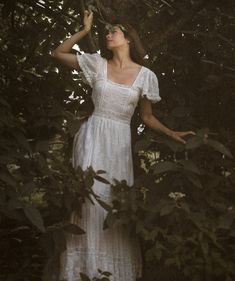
104, 142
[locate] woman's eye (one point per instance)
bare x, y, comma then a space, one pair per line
110, 31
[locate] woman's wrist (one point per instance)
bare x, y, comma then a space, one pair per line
83, 31
87, 29
169, 132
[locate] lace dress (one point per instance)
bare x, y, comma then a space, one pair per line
104, 142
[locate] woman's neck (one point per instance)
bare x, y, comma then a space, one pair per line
121, 59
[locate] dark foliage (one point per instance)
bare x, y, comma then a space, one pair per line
181, 205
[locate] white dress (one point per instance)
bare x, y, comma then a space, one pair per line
104, 142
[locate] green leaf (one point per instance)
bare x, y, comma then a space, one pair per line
194, 142
42, 145
68, 199
8, 8
73, 228
165, 166
84, 277
226, 221
174, 145
89, 181
74, 126
14, 203
8, 179
104, 205
141, 145
202, 132
185, 207
190, 166
170, 261
92, 8
219, 147
22, 140
28, 188
109, 221
106, 273
150, 13
4, 102
49, 269
101, 172
34, 216
195, 180
204, 246
167, 209
232, 233
3, 199
60, 241
47, 242
101, 179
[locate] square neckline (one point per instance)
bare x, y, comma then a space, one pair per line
120, 84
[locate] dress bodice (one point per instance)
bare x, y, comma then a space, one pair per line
114, 100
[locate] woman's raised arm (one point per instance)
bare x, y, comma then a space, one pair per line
62, 52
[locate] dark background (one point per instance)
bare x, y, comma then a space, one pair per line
190, 47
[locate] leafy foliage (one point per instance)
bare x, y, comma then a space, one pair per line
181, 205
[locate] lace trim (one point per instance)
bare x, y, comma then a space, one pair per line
104, 197
85, 70
84, 260
116, 116
89, 75
148, 86
96, 253
153, 96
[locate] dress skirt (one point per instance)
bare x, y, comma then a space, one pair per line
104, 144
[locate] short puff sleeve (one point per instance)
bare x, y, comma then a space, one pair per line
89, 64
150, 87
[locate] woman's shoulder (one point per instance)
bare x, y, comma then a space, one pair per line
147, 72
147, 77
88, 55
91, 60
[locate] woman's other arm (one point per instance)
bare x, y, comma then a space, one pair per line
151, 121
62, 52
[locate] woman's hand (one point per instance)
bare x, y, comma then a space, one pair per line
87, 21
152, 122
178, 135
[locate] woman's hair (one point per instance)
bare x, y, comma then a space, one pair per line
137, 51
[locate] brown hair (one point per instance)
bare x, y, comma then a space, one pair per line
137, 51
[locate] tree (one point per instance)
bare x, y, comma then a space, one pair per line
190, 47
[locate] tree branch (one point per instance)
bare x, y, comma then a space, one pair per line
158, 39
88, 39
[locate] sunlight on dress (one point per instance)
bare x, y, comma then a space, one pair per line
104, 142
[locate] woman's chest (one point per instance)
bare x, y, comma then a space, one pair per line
109, 92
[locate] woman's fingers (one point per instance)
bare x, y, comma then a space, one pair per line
89, 12
178, 136
192, 133
88, 18
188, 133
181, 140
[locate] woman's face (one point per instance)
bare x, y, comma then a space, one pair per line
115, 38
